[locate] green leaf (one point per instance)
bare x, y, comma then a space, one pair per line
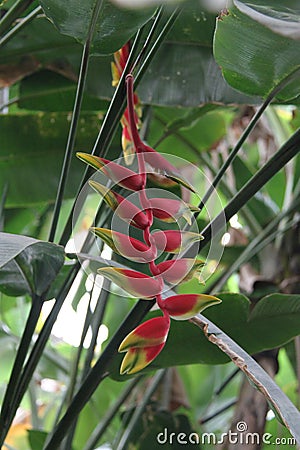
254, 58
115, 26
184, 72
210, 125
49, 91
27, 265
36, 439
36, 153
281, 315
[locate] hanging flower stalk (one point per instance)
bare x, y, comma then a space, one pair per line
146, 341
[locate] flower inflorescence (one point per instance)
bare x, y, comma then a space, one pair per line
146, 341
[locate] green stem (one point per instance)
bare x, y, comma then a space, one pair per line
125, 439
254, 248
75, 119
2, 205
13, 13
97, 373
95, 325
277, 162
218, 412
15, 30
12, 390
102, 427
155, 46
105, 136
246, 133
26, 375
74, 374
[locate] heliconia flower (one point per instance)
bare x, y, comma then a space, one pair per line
173, 241
176, 270
136, 283
117, 173
120, 59
137, 358
185, 306
126, 246
169, 209
124, 208
148, 334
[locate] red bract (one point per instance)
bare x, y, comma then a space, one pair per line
150, 333
123, 207
170, 210
174, 241
126, 246
117, 173
137, 358
136, 283
185, 306
177, 270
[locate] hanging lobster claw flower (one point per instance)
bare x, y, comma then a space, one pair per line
169, 209
177, 270
148, 334
117, 173
126, 246
173, 241
124, 208
136, 283
137, 358
185, 306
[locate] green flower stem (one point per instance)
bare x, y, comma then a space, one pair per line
13, 13
7, 410
15, 30
75, 119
